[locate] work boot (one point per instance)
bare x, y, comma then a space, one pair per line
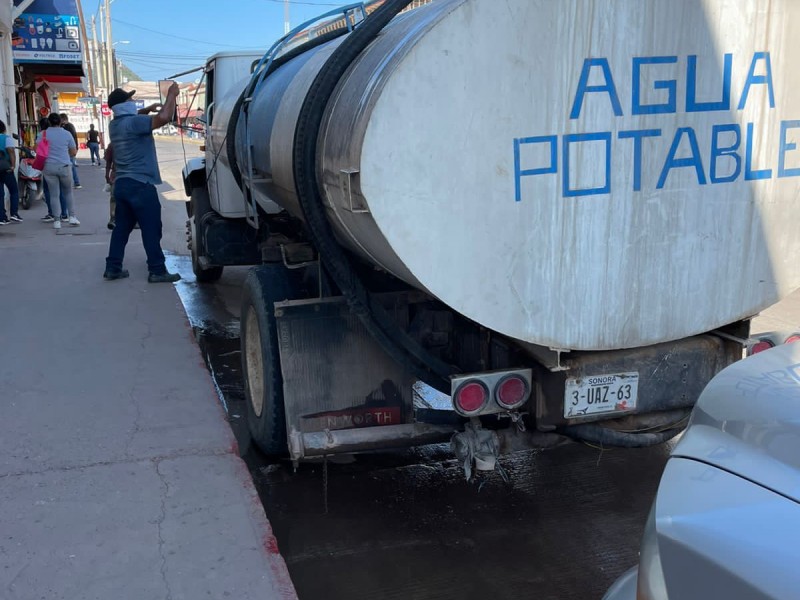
163, 277
112, 275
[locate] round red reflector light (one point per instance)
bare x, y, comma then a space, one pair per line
512, 391
795, 337
761, 346
471, 397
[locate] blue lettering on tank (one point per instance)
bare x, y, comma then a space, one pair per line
637, 136
728, 149
584, 88
576, 138
519, 173
679, 163
749, 173
753, 79
671, 85
692, 105
787, 147
718, 152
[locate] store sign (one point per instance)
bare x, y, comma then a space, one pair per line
47, 32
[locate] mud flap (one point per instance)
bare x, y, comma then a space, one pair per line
335, 376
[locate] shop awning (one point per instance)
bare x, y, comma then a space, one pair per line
63, 83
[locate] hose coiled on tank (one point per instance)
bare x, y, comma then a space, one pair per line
230, 132
394, 340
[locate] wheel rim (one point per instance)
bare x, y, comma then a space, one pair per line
255, 365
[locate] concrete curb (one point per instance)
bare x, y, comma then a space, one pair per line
120, 477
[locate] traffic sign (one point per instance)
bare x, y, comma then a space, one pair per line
105, 111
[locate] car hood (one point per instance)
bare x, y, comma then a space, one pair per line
747, 421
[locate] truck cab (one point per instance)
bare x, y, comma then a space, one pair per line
216, 230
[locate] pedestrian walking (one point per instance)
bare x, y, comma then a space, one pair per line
57, 167
8, 160
73, 161
93, 141
137, 174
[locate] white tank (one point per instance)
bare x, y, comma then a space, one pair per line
578, 174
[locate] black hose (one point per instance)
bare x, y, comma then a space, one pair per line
603, 436
230, 133
394, 340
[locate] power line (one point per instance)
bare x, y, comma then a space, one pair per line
175, 37
159, 55
166, 61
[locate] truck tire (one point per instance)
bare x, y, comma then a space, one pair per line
261, 365
199, 205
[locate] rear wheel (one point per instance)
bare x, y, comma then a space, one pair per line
199, 206
24, 195
261, 365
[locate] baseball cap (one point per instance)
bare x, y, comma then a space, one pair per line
118, 96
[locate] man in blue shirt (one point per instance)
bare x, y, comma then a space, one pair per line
137, 175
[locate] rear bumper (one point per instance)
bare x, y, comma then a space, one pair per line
671, 375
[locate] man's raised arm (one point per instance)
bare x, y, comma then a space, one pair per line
167, 111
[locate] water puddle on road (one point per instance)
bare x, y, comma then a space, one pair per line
405, 525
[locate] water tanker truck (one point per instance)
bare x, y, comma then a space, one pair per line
503, 224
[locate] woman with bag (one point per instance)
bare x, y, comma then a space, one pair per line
38, 164
58, 165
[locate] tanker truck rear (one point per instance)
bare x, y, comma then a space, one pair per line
504, 224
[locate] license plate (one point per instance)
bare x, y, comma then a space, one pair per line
598, 394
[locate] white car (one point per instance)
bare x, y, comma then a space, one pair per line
726, 519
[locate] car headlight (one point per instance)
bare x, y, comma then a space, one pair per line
651, 584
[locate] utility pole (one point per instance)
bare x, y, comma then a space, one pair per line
286, 25
89, 61
112, 67
97, 56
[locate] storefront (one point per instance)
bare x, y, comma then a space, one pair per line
49, 64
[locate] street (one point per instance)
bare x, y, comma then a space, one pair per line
399, 300
406, 524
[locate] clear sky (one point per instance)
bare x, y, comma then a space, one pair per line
170, 36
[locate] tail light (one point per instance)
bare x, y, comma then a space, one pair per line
761, 346
471, 397
490, 392
512, 391
795, 337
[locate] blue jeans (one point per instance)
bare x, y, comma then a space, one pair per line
75, 171
50, 212
8, 180
58, 178
136, 201
94, 151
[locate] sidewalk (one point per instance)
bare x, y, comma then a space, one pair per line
119, 477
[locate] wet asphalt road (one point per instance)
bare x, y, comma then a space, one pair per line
406, 525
